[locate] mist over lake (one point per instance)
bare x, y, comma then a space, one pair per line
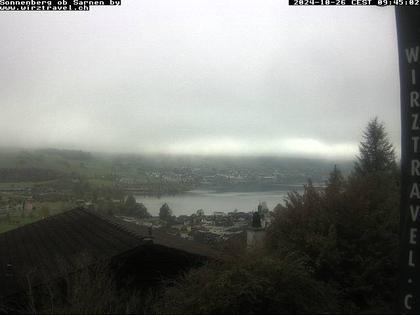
210, 201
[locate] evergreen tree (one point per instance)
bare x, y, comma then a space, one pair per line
131, 207
375, 177
376, 151
130, 203
335, 183
333, 203
368, 225
165, 213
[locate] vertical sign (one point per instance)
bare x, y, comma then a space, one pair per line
408, 30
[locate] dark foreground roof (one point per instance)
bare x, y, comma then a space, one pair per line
164, 239
71, 240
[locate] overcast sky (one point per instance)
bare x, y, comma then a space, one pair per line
199, 77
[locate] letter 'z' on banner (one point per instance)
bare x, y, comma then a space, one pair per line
408, 30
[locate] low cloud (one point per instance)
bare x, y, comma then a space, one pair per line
280, 147
199, 77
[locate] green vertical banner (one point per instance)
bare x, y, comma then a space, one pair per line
408, 31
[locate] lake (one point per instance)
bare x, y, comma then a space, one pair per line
210, 201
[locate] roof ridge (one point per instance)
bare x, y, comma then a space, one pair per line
119, 224
162, 237
39, 221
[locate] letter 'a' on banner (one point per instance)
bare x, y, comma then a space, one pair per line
408, 31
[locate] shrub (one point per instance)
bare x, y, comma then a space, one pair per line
251, 285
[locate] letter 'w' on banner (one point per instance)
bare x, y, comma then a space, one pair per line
408, 30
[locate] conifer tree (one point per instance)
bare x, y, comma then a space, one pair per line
165, 213
335, 182
376, 151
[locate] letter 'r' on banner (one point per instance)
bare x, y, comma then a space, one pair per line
408, 31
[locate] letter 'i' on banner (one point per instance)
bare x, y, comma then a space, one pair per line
408, 31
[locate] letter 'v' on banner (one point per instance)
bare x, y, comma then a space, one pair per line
408, 31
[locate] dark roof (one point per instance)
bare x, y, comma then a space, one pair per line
57, 241
162, 238
73, 239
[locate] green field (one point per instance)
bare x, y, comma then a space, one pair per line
15, 222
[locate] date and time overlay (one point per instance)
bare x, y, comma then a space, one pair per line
83, 5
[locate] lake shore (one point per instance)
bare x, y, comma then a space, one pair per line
211, 201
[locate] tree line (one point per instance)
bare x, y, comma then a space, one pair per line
28, 174
327, 251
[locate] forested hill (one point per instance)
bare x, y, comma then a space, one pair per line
101, 164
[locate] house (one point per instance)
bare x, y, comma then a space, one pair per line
50, 249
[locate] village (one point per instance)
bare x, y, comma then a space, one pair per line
215, 230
